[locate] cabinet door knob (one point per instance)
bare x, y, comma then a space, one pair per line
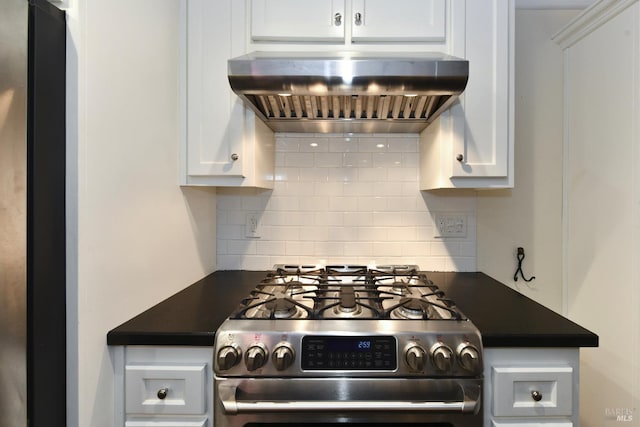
234, 157
536, 395
459, 157
162, 393
337, 19
358, 18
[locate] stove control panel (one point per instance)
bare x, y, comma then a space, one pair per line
299, 348
353, 353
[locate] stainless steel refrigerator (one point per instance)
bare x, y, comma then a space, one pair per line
32, 214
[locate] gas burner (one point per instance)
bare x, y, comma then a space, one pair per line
347, 291
281, 301
413, 308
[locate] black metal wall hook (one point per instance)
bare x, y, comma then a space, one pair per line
520, 256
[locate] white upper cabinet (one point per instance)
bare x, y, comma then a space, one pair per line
348, 21
468, 146
224, 143
401, 20
471, 145
297, 20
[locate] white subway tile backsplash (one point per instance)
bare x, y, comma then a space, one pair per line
359, 219
333, 219
352, 160
344, 234
372, 175
331, 188
402, 145
296, 248
343, 204
344, 174
328, 160
355, 189
270, 247
325, 249
387, 160
372, 145
343, 198
358, 249
314, 174
301, 160
343, 145
314, 145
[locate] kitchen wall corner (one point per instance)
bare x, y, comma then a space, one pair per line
135, 236
343, 198
530, 215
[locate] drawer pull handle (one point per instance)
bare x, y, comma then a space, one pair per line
162, 393
536, 395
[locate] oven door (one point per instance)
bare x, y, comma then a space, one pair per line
253, 402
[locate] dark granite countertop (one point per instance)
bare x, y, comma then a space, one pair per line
505, 317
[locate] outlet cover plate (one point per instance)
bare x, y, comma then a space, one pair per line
451, 225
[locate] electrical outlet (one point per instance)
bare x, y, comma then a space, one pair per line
251, 226
451, 226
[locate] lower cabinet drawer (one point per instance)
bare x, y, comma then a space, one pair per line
165, 389
166, 423
532, 391
537, 423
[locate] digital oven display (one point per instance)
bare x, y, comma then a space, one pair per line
331, 353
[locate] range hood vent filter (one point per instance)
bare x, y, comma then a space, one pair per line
348, 92
395, 107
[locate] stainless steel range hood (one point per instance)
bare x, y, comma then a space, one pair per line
348, 92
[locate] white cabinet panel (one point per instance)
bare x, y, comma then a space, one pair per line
512, 374
183, 387
153, 422
224, 144
486, 99
319, 20
346, 21
514, 389
471, 144
141, 371
400, 20
536, 423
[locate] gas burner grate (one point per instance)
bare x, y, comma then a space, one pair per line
398, 292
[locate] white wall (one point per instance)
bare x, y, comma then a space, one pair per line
602, 210
344, 199
135, 237
530, 215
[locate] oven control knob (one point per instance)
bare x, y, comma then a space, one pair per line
283, 356
415, 356
256, 357
228, 357
441, 356
469, 357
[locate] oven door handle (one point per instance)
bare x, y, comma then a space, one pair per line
227, 395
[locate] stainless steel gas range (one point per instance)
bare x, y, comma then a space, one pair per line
347, 344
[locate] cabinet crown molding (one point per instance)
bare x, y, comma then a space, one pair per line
589, 20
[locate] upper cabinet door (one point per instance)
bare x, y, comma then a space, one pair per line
399, 20
485, 149
295, 20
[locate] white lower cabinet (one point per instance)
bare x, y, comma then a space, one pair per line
531, 387
163, 386
531, 423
